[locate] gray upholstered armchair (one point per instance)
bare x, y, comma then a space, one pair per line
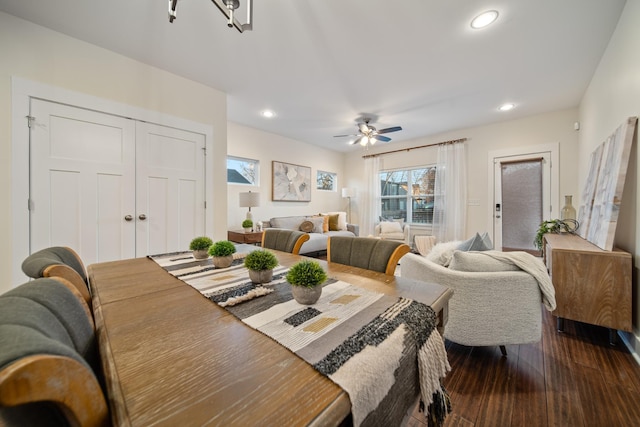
392, 230
494, 301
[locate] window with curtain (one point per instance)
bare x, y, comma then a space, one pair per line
408, 194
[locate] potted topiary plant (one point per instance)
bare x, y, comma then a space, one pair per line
222, 253
200, 247
260, 264
306, 279
247, 224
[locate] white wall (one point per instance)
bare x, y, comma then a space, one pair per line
612, 96
38, 54
263, 146
555, 127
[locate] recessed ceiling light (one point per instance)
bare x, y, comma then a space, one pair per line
268, 114
484, 19
506, 107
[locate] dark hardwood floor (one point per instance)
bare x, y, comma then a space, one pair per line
573, 378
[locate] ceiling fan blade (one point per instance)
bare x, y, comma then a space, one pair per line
340, 136
358, 140
391, 129
381, 138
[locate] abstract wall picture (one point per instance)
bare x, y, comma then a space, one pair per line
610, 183
326, 181
291, 183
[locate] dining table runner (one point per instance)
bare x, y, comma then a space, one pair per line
382, 350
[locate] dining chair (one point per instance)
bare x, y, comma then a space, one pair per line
58, 261
284, 240
48, 358
366, 252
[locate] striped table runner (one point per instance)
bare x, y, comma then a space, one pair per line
383, 351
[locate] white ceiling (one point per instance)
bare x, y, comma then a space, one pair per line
322, 64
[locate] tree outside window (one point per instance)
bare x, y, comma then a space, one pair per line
408, 194
243, 171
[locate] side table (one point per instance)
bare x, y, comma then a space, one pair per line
241, 236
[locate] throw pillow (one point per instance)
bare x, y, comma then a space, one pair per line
479, 262
342, 219
476, 243
318, 224
306, 226
441, 253
387, 227
333, 222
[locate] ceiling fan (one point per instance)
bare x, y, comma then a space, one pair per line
369, 134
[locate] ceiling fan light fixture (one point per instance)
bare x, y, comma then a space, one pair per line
484, 19
228, 8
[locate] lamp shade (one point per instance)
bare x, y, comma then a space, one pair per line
348, 192
249, 200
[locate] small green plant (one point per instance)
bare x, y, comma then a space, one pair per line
260, 260
222, 248
247, 223
199, 243
554, 226
306, 273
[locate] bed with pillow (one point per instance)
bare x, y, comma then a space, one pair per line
319, 227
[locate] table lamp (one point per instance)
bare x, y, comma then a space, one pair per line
249, 200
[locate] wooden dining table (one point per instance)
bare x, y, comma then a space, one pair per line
172, 357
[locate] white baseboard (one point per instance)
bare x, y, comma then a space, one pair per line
632, 342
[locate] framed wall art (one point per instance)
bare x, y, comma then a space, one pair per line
291, 183
326, 181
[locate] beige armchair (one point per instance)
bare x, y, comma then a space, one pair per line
494, 301
392, 230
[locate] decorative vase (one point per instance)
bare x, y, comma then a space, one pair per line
305, 295
222, 261
261, 276
201, 253
568, 211
247, 230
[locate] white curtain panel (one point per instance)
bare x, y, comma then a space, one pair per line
371, 200
450, 201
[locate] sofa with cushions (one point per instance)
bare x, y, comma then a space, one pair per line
320, 227
497, 295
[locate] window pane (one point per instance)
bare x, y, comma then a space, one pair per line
242, 171
408, 194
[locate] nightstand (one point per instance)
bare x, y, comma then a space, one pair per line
241, 236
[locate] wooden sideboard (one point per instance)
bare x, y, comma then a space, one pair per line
592, 285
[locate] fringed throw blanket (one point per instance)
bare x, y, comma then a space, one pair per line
383, 351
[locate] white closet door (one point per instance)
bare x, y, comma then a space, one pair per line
82, 174
170, 188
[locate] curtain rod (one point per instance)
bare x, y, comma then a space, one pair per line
453, 141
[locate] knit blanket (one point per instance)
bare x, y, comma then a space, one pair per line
383, 351
533, 266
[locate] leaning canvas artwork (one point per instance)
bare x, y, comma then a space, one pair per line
603, 218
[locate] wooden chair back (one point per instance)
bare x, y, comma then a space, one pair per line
48, 357
58, 261
365, 252
284, 240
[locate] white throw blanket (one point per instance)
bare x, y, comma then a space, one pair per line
533, 266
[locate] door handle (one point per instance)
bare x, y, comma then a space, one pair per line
142, 217
128, 218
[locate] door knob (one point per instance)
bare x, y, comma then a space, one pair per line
142, 217
128, 218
